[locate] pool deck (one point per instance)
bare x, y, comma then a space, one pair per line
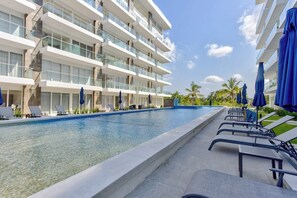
172, 177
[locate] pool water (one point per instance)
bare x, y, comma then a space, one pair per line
35, 156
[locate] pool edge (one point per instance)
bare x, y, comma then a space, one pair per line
118, 176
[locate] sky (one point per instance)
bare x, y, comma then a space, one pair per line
213, 40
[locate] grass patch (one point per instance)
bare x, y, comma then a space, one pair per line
282, 129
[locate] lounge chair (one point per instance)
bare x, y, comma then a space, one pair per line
6, 113
247, 124
278, 143
35, 111
267, 130
60, 110
111, 107
209, 183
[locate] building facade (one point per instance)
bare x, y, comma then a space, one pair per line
270, 29
49, 49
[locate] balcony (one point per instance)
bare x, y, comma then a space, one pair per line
60, 19
264, 55
143, 44
86, 8
121, 30
113, 45
143, 74
157, 14
144, 60
282, 18
118, 67
161, 80
270, 87
15, 75
121, 9
162, 93
57, 49
273, 15
274, 37
263, 15
69, 81
21, 6
141, 26
161, 56
116, 87
15, 36
145, 91
160, 42
271, 66
160, 68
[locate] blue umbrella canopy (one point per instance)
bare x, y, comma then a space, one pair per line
259, 98
1, 99
149, 99
244, 99
286, 93
238, 98
120, 98
81, 96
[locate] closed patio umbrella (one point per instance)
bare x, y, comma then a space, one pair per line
120, 98
81, 96
1, 99
149, 99
244, 99
286, 93
259, 98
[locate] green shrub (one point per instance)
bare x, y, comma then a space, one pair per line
281, 112
18, 113
76, 111
96, 110
268, 109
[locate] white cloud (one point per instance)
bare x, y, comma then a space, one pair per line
248, 23
212, 79
218, 51
196, 57
190, 64
237, 76
173, 53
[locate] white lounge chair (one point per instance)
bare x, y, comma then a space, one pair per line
6, 113
35, 111
60, 110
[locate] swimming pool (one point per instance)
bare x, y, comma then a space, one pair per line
35, 156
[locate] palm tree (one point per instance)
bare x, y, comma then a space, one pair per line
193, 91
231, 88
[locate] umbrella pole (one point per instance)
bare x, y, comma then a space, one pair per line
257, 115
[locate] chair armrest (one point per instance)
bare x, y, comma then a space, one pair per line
280, 181
283, 171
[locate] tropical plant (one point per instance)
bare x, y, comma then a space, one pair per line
194, 92
230, 89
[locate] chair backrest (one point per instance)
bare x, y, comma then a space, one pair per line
267, 116
60, 109
279, 122
288, 136
6, 112
35, 110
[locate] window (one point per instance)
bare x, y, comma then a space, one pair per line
16, 62
4, 22
16, 27
3, 63
45, 101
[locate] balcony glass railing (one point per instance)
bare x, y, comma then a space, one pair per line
69, 16
146, 57
158, 64
272, 60
124, 5
14, 29
69, 78
140, 70
290, 4
162, 53
119, 63
117, 85
15, 71
142, 19
271, 84
108, 15
143, 39
93, 4
146, 89
118, 42
75, 49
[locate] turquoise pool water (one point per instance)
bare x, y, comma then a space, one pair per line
35, 156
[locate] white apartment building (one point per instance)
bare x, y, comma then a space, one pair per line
270, 29
49, 49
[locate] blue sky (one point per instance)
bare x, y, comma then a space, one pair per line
213, 41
